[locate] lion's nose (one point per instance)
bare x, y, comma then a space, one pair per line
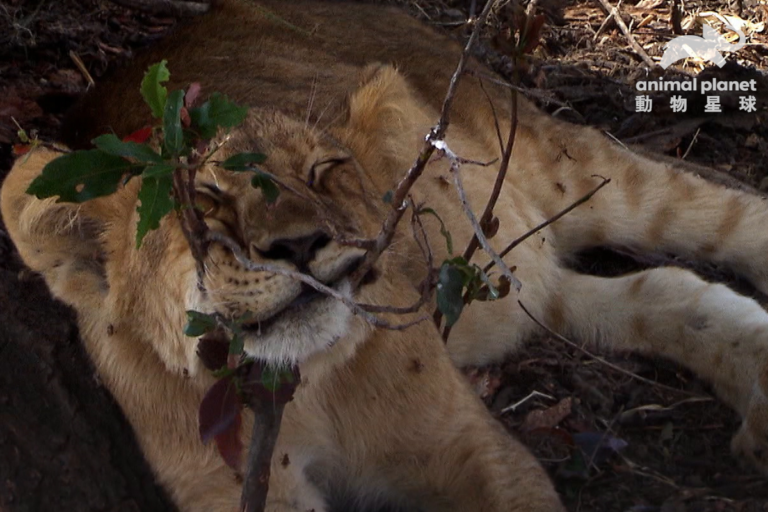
299, 250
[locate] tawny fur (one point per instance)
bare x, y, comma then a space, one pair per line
382, 411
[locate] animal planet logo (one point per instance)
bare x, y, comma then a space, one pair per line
707, 47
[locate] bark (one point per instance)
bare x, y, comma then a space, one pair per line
64, 443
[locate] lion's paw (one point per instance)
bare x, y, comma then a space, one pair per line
750, 444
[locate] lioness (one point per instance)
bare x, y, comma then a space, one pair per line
341, 98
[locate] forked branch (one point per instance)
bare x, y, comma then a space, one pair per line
435, 136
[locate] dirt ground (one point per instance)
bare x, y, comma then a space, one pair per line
622, 434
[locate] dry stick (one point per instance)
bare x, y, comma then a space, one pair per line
357, 309
600, 359
172, 7
399, 203
479, 235
620, 22
487, 216
266, 427
192, 223
547, 222
426, 284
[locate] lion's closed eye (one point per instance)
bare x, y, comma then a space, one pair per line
208, 199
320, 168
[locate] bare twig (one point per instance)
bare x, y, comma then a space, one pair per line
171, 7
192, 223
357, 309
399, 203
600, 359
481, 238
611, 10
547, 222
81, 67
487, 215
690, 146
532, 394
266, 427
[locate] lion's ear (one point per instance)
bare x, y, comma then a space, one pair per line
59, 240
383, 119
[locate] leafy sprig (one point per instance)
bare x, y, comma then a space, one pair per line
179, 128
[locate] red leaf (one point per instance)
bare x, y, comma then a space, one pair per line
193, 91
185, 119
230, 445
219, 419
219, 409
139, 136
213, 349
21, 149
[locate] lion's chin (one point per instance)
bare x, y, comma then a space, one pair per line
310, 324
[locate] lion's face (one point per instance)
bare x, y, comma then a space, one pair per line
332, 184
325, 198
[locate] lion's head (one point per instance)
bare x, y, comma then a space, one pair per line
332, 182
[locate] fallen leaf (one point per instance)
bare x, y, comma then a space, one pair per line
547, 418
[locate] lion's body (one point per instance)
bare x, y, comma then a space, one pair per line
383, 412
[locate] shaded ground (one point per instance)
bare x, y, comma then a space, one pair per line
664, 445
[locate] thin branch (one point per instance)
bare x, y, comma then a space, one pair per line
600, 359
191, 219
481, 238
171, 7
266, 427
487, 215
611, 10
399, 203
547, 222
357, 309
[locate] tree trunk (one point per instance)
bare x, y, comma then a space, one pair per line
64, 443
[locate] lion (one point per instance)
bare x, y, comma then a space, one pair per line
340, 98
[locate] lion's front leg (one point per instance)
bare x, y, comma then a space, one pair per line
421, 438
289, 488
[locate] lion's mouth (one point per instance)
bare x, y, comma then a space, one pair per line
306, 296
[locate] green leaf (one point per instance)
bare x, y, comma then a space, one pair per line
267, 186
217, 111
158, 170
156, 202
443, 231
236, 344
81, 176
274, 378
173, 135
153, 93
243, 161
450, 284
199, 323
114, 146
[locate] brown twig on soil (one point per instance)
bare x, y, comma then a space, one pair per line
81, 67
611, 10
599, 359
547, 222
168, 7
676, 17
437, 134
266, 427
